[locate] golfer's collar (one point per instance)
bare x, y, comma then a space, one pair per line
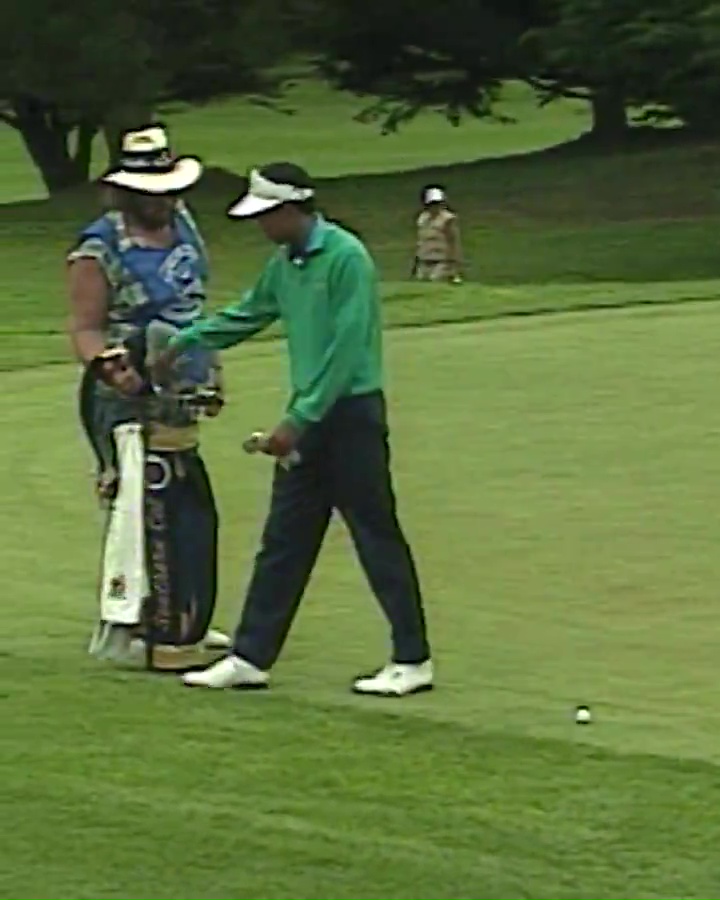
315, 241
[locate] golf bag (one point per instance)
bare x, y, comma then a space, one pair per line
158, 578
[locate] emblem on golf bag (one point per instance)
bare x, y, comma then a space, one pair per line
118, 587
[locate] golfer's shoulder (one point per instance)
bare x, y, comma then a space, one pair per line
347, 246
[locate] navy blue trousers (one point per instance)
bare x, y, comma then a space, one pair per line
345, 467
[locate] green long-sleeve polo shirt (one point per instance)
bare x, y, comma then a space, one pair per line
328, 299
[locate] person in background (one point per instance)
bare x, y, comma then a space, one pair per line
438, 254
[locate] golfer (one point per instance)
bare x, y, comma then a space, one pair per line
321, 281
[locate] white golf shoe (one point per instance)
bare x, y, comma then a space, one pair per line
397, 680
230, 672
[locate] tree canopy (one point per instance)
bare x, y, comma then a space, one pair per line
659, 55
451, 56
73, 70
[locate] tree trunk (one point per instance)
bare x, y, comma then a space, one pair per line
47, 140
610, 119
86, 132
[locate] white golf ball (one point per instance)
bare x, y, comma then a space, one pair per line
583, 716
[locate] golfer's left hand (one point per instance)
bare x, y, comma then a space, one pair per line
281, 441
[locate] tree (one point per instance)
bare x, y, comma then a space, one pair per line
614, 53
73, 69
58, 80
451, 57
660, 56
679, 43
579, 51
205, 49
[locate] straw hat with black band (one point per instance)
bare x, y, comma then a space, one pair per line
148, 166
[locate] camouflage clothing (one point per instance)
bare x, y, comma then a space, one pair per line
147, 287
433, 252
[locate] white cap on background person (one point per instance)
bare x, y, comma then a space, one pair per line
434, 195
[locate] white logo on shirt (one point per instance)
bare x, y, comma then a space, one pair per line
180, 271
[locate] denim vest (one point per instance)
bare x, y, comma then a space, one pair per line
153, 292
169, 282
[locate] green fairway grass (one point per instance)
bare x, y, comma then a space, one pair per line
555, 456
568, 551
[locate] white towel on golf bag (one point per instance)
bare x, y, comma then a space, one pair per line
124, 584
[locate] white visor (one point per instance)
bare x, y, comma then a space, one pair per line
434, 195
264, 195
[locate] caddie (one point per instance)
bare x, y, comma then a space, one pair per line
138, 275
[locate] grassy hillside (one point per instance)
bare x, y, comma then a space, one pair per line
316, 127
566, 215
595, 225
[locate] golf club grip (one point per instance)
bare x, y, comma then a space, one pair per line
251, 445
